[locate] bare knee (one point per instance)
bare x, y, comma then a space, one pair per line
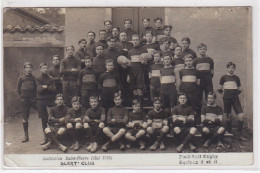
241, 116
221, 130
177, 130
205, 130
127, 135
150, 130
106, 130
193, 130
122, 131
165, 129
69, 126
86, 125
141, 132
47, 130
101, 125
78, 126
61, 131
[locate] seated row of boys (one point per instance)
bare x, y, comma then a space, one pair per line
120, 126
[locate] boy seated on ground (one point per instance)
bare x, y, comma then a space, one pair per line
183, 123
74, 122
117, 119
56, 122
137, 126
94, 123
158, 124
211, 117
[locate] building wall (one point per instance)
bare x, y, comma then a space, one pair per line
228, 34
78, 21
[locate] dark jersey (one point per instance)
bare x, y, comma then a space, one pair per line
155, 74
168, 52
230, 84
113, 53
151, 47
124, 47
45, 93
99, 64
167, 80
178, 63
96, 114
65, 68
57, 112
147, 29
134, 56
211, 110
26, 86
158, 33
72, 114
188, 51
80, 54
133, 116
188, 78
171, 39
129, 33
89, 48
162, 114
88, 79
109, 82
119, 113
204, 65
184, 110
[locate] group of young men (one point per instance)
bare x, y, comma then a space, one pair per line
83, 96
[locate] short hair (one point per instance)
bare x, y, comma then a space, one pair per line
93, 98
182, 94
99, 44
202, 45
70, 46
88, 57
136, 102
188, 56
75, 99
157, 99
117, 95
116, 28
177, 46
43, 64
212, 94
130, 20
164, 39
107, 21
158, 18
149, 32
92, 33
167, 26
110, 38
102, 30
186, 39
123, 32
135, 35
59, 95
160, 53
231, 64
83, 39
145, 19
55, 56
27, 63
109, 61
166, 56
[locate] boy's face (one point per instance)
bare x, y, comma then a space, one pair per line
93, 103
115, 32
108, 25
118, 100
188, 62
146, 23
136, 107
231, 69
59, 101
157, 105
177, 51
211, 99
149, 37
127, 24
157, 57
88, 62
44, 69
28, 69
110, 66
167, 60
76, 105
70, 51
91, 36
167, 31
99, 50
158, 23
185, 44
111, 43
135, 41
182, 99
172, 45
55, 61
123, 36
202, 50
102, 35
166, 45
82, 44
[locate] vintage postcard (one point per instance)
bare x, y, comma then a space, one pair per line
121, 87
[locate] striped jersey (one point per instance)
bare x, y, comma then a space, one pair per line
168, 80
134, 56
204, 65
155, 74
230, 84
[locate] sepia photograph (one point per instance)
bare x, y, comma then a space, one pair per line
93, 86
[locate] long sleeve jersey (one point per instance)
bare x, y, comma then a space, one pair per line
45, 93
26, 86
72, 114
120, 114
109, 82
88, 79
65, 68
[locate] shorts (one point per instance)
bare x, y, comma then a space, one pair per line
115, 130
235, 103
134, 131
212, 129
137, 81
55, 129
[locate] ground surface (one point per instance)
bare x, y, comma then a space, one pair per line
13, 134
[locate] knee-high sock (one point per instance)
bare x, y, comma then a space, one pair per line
188, 139
25, 128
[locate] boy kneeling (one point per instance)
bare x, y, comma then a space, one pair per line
116, 120
56, 122
183, 123
136, 126
94, 123
74, 121
157, 119
211, 117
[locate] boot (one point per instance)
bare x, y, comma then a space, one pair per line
207, 143
44, 126
44, 141
46, 146
94, 148
154, 146
180, 148
240, 129
192, 147
55, 140
162, 146
90, 147
63, 148
106, 146
25, 128
142, 145
76, 147
229, 127
122, 145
